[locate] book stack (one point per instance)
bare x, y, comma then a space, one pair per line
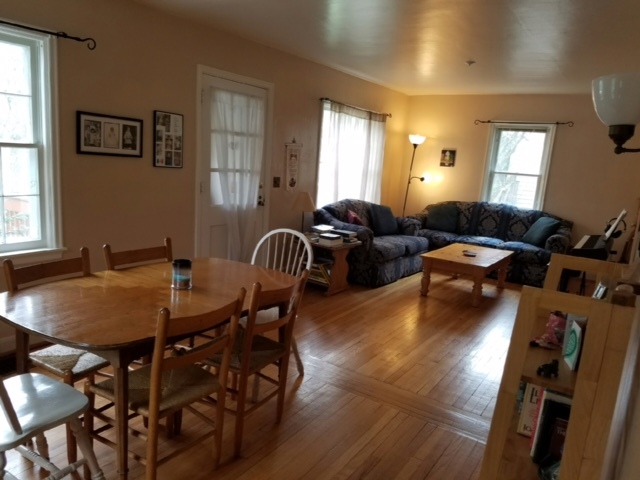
348, 236
329, 239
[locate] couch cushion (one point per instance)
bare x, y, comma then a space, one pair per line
542, 229
387, 248
443, 217
479, 241
438, 239
383, 221
526, 253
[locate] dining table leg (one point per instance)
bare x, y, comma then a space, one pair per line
22, 352
121, 392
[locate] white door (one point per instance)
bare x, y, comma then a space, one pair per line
231, 201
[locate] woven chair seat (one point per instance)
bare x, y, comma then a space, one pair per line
180, 387
264, 352
60, 359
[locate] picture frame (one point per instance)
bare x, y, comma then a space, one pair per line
448, 157
168, 141
100, 134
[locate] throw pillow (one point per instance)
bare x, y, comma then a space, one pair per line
541, 229
443, 217
354, 218
383, 221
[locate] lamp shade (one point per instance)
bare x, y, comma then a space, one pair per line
616, 98
303, 203
417, 139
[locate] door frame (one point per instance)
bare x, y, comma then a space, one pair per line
203, 70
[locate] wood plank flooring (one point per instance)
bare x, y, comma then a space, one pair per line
396, 386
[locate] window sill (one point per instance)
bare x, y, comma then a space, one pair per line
34, 256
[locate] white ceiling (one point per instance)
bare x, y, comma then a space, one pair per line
421, 47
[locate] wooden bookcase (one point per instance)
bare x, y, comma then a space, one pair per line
599, 387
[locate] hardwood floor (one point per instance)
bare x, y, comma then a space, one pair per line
396, 386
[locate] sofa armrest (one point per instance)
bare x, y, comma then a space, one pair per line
421, 217
408, 225
364, 234
560, 241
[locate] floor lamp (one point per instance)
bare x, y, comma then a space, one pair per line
415, 140
303, 203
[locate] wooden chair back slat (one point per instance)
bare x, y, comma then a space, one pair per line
19, 276
141, 255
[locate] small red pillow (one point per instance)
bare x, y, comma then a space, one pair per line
353, 218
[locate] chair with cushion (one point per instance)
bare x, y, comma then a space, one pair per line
32, 404
255, 350
138, 256
287, 251
70, 364
173, 382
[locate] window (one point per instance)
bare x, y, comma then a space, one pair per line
28, 219
518, 163
351, 153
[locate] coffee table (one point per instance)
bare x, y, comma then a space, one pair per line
452, 259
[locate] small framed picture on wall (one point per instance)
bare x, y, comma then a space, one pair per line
448, 157
168, 142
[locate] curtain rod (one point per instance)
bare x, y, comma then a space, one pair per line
91, 43
357, 108
525, 123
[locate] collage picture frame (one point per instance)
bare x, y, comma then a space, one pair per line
168, 144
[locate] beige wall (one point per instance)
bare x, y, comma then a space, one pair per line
588, 183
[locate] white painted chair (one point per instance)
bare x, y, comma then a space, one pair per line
32, 404
287, 251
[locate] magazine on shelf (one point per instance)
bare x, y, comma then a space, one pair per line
529, 409
321, 228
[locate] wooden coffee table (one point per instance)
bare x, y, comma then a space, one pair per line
451, 259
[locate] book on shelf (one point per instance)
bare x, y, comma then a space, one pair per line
573, 344
329, 239
550, 426
322, 228
529, 408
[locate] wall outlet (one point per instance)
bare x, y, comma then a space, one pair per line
276, 182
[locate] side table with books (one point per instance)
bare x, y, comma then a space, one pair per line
330, 267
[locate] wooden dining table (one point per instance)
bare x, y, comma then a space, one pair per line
114, 313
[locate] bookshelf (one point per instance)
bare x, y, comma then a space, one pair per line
598, 387
330, 267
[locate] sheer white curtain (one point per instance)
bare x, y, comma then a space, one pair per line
237, 146
351, 153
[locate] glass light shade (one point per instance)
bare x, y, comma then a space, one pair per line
616, 98
417, 139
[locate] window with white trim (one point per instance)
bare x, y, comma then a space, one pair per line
518, 163
28, 181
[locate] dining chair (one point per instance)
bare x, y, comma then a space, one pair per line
173, 382
70, 364
137, 256
287, 251
254, 350
32, 404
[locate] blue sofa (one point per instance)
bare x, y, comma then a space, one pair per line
532, 235
390, 246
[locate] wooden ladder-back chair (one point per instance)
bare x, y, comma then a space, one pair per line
254, 351
172, 383
32, 404
70, 364
287, 251
137, 256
